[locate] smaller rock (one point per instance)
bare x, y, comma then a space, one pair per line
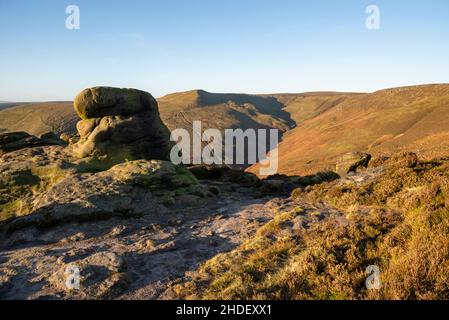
69, 139
75, 238
352, 161
276, 187
208, 172
116, 231
166, 247
149, 244
13, 141
243, 178
146, 245
50, 138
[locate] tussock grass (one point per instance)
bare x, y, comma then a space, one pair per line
399, 222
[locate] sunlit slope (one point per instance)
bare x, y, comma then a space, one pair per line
410, 118
304, 106
223, 111
39, 118
318, 127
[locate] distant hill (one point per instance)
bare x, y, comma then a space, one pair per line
6, 104
222, 111
317, 127
304, 106
409, 118
178, 110
39, 118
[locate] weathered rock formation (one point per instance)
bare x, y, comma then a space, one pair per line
13, 141
352, 161
119, 125
118, 167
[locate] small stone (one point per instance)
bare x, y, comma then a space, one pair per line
352, 161
75, 238
146, 245
166, 247
117, 231
149, 244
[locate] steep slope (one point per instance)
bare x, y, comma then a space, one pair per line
304, 106
410, 118
222, 111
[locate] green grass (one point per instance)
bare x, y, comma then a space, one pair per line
9, 209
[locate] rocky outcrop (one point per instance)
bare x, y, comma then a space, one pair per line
352, 161
119, 125
117, 168
133, 188
26, 173
13, 141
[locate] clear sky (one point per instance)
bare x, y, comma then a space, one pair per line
253, 46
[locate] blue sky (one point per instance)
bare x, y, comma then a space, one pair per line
253, 46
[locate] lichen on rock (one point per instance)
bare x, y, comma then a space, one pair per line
117, 168
119, 125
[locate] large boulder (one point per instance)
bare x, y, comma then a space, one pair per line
99, 102
352, 161
119, 125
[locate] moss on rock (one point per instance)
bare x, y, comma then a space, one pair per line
98, 102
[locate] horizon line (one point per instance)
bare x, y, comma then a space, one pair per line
243, 93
